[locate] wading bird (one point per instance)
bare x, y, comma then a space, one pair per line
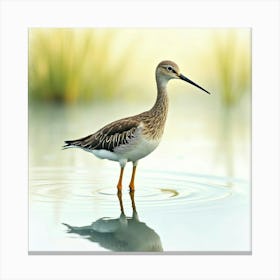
133, 138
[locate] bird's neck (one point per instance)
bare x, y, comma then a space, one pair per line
156, 117
161, 103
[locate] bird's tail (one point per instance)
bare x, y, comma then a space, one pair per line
80, 143
68, 144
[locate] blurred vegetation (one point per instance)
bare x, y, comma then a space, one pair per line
70, 65
232, 53
233, 67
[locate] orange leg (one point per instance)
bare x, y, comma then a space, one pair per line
119, 186
131, 184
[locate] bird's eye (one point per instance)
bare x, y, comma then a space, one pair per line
169, 68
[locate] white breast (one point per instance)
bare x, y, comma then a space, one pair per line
137, 149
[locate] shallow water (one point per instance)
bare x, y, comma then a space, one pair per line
184, 202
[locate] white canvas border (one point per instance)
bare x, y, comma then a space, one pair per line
261, 16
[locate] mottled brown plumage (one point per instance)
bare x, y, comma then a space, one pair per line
121, 132
109, 137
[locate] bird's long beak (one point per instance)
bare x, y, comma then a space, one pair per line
182, 77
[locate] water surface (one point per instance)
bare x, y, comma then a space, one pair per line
186, 199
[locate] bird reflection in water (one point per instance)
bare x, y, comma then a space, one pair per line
123, 234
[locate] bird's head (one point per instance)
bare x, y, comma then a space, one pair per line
167, 70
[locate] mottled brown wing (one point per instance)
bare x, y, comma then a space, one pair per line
109, 137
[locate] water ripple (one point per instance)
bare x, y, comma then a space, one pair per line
167, 189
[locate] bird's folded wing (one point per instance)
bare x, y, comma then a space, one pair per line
109, 137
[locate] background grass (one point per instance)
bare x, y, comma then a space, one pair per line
67, 66
70, 65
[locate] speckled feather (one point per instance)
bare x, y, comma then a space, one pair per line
121, 132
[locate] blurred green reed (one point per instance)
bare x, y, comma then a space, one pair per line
70, 65
232, 84
233, 68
